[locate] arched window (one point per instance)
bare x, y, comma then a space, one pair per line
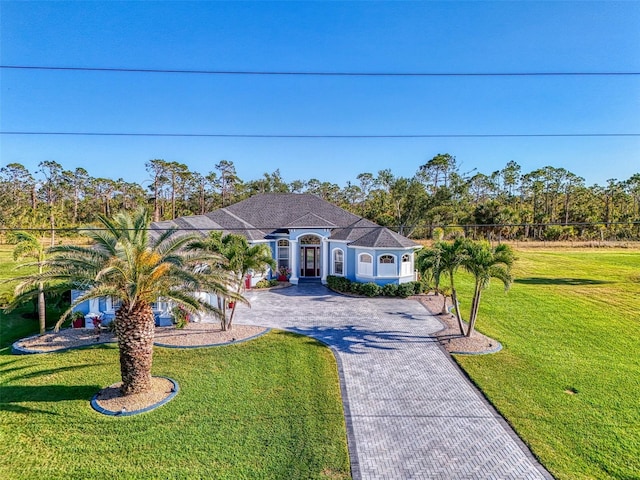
283, 253
406, 267
365, 264
387, 266
338, 262
310, 240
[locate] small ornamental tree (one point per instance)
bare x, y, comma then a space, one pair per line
241, 258
484, 263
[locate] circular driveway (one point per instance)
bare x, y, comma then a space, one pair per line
410, 412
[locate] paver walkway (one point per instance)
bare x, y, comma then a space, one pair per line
410, 412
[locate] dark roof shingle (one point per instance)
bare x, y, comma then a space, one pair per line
263, 214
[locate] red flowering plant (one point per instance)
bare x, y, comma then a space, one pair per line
181, 316
284, 272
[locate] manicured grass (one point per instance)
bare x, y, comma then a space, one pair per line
266, 409
570, 323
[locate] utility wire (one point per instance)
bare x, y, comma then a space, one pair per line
320, 73
286, 135
273, 228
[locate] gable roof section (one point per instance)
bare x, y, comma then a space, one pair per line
381, 237
354, 231
266, 213
234, 224
310, 220
269, 211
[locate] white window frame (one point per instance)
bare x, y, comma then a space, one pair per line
406, 266
283, 245
365, 269
387, 269
335, 253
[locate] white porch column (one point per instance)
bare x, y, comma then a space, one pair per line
294, 254
325, 259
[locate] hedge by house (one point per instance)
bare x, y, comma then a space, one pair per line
344, 285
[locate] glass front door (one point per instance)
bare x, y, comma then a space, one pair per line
310, 262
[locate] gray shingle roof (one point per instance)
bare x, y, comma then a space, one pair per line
259, 216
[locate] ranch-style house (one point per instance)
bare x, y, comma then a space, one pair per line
309, 236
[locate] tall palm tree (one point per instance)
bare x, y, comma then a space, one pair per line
485, 262
29, 246
241, 258
129, 263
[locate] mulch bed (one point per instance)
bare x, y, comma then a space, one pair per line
201, 334
111, 399
451, 338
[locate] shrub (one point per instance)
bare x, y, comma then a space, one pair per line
438, 234
417, 287
370, 289
405, 289
390, 290
451, 233
356, 287
340, 284
273, 282
553, 232
263, 283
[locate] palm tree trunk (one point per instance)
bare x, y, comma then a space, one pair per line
454, 299
235, 304
474, 310
135, 330
444, 305
41, 308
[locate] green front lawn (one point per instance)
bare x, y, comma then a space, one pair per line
568, 378
266, 409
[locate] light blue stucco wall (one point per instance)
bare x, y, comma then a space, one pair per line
351, 263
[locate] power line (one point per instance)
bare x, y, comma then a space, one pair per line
319, 73
396, 227
336, 136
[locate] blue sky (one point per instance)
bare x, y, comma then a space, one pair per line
322, 36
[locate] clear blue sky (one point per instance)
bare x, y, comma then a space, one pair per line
322, 36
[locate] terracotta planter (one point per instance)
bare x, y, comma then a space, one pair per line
78, 323
282, 278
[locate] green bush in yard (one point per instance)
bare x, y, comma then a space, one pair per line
370, 289
405, 289
390, 290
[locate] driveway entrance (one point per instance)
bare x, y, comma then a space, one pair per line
410, 412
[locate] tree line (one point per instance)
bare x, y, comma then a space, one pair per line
439, 201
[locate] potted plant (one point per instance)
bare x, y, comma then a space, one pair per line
283, 274
77, 320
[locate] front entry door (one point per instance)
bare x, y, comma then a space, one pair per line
310, 262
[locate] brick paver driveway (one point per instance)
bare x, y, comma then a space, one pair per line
410, 412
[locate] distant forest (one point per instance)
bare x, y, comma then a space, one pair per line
439, 201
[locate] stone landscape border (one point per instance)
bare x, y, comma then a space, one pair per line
18, 350
174, 391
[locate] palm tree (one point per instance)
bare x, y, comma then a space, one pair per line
429, 265
485, 263
241, 258
451, 257
445, 257
129, 263
29, 246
